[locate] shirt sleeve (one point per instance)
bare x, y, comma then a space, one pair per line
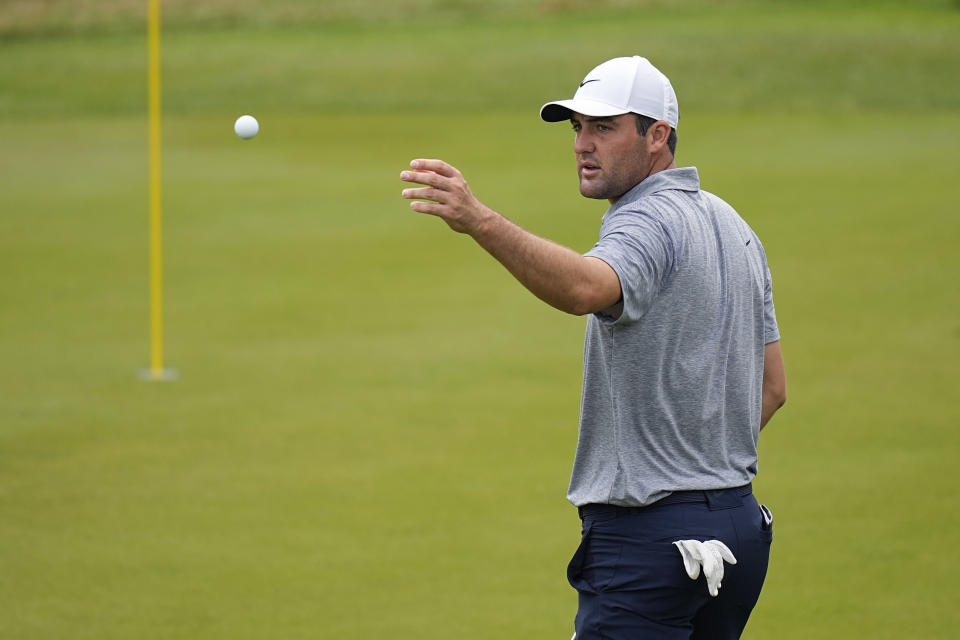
771, 332
642, 252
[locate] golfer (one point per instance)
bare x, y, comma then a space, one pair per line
681, 369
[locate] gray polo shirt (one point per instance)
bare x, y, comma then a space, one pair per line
672, 376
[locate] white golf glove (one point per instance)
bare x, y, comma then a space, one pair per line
710, 556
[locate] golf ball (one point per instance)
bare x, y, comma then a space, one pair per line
246, 127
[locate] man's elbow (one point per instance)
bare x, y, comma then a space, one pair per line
587, 306
589, 298
581, 306
781, 395
781, 400
595, 290
777, 396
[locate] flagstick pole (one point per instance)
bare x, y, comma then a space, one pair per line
156, 371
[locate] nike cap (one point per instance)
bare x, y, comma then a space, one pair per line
618, 86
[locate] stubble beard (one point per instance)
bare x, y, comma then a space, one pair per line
608, 187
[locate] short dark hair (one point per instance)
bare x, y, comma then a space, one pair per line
644, 123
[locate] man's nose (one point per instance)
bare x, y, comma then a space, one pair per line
583, 143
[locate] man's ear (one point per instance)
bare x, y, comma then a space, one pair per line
657, 135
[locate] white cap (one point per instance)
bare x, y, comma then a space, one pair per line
618, 86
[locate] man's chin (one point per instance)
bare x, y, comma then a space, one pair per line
592, 190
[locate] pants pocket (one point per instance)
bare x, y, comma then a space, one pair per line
766, 522
575, 567
595, 562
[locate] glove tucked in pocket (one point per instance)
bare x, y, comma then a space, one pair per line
708, 556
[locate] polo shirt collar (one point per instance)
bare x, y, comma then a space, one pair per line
680, 179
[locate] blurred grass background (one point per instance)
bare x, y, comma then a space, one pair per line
374, 424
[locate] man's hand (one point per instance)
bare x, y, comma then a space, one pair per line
446, 195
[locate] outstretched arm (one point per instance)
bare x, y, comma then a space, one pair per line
557, 275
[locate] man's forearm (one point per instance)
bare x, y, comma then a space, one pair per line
774, 389
556, 274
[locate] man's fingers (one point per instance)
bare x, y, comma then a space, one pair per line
437, 166
425, 193
421, 206
445, 194
430, 178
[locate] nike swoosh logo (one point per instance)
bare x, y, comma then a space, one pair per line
586, 81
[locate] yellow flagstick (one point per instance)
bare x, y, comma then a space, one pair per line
156, 371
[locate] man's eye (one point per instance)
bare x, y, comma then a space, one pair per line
602, 127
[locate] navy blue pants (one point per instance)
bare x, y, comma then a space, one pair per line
630, 577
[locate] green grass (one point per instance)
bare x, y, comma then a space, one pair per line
374, 424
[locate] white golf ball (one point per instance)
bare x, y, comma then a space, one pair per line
246, 127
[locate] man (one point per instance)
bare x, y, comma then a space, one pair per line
682, 365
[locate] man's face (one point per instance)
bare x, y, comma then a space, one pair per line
612, 157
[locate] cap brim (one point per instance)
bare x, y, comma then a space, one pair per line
563, 109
